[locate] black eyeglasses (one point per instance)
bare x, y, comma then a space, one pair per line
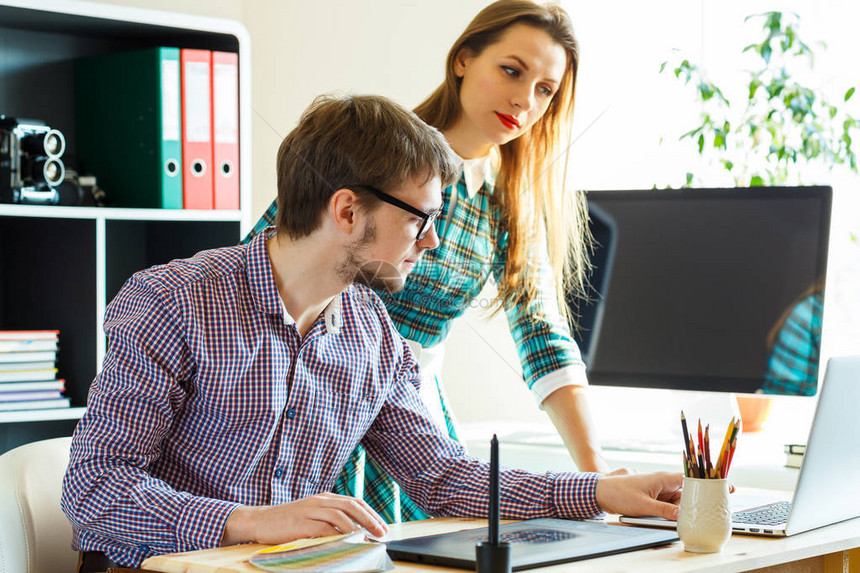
427, 219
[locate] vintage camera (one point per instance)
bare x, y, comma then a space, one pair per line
31, 167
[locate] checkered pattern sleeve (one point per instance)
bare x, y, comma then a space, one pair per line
547, 351
443, 480
131, 406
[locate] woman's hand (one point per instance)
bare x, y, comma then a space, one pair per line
622, 472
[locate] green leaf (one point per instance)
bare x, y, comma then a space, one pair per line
701, 143
849, 93
773, 21
691, 133
756, 181
689, 180
765, 52
754, 85
663, 66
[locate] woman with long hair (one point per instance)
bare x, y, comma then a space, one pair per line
506, 108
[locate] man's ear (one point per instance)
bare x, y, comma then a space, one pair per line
343, 207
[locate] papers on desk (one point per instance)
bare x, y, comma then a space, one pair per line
347, 553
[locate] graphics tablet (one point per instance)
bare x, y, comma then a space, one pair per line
534, 543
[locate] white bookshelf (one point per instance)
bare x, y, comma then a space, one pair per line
60, 266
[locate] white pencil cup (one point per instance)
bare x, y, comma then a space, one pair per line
704, 519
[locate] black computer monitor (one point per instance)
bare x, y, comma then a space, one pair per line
707, 289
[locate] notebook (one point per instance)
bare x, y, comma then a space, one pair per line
534, 543
826, 491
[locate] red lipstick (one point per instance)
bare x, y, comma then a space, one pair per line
508, 121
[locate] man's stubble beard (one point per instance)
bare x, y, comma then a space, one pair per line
378, 275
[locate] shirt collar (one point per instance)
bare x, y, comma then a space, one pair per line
264, 292
261, 282
479, 170
332, 315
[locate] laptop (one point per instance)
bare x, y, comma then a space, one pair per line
826, 491
534, 543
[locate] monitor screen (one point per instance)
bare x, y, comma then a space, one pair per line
707, 289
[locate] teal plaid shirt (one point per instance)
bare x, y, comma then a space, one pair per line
793, 363
441, 287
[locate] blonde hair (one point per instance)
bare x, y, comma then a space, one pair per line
530, 185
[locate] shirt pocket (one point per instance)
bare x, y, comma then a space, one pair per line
336, 423
232, 399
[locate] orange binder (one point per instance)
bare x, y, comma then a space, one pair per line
225, 129
196, 129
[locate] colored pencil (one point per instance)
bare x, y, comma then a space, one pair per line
721, 463
686, 436
698, 461
700, 436
731, 454
708, 465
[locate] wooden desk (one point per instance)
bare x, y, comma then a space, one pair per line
831, 549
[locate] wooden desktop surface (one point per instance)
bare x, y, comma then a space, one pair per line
827, 550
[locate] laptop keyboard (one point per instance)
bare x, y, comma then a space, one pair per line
773, 514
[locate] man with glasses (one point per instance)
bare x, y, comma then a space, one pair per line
237, 382
379, 274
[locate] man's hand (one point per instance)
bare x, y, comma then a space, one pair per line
654, 494
315, 516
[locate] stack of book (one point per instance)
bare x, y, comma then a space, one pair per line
28, 373
794, 455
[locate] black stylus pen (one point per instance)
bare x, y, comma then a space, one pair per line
493, 555
493, 514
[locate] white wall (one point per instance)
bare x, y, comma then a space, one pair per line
301, 48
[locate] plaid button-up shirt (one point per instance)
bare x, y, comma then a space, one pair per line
210, 398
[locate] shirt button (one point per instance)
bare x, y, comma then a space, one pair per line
291, 413
279, 472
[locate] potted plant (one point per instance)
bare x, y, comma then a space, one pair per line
783, 130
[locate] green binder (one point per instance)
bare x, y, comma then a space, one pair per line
128, 126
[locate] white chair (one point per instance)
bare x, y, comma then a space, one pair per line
35, 536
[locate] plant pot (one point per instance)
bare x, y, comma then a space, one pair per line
754, 411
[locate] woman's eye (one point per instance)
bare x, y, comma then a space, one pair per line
545, 91
513, 72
